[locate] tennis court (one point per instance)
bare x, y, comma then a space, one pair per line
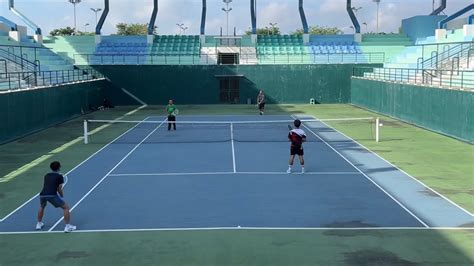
229, 172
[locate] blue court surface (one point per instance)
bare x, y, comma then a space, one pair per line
226, 176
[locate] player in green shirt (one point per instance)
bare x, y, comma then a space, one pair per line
170, 110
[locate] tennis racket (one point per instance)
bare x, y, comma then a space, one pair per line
290, 128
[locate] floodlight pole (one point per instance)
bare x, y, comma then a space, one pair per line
273, 25
227, 11
96, 10
75, 2
180, 27
356, 9
378, 10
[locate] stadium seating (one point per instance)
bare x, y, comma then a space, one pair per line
329, 44
452, 36
27, 64
391, 44
128, 48
448, 65
168, 49
175, 45
280, 44
72, 48
325, 49
281, 49
122, 45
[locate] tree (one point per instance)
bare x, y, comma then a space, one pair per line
80, 33
133, 29
266, 31
68, 31
318, 30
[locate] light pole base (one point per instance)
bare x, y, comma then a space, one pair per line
254, 38
468, 30
38, 38
15, 35
358, 37
306, 38
440, 34
150, 38
98, 38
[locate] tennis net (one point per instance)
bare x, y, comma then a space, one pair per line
156, 131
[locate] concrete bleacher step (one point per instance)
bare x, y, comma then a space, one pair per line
14, 83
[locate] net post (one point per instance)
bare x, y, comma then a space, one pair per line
377, 129
86, 132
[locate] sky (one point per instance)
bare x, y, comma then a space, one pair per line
50, 14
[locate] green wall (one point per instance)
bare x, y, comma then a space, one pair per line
156, 84
449, 112
25, 112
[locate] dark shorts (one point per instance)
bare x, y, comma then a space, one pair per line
56, 201
294, 150
261, 106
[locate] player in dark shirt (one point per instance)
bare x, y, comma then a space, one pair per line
296, 136
52, 192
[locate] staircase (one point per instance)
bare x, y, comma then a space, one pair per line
457, 57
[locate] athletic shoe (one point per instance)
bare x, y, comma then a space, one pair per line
288, 171
302, 170
69, 228
39, 225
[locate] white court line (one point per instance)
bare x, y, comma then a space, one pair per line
306, 173
237, 173
396, 167
366, 176
248, 229
73, 169
103, 178
233, 146
174, 174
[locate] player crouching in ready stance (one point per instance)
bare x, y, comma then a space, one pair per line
296, 136
53, 192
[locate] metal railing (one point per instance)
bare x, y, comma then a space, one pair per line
212, 59
136, 59
429, 50
439, 78
26, 80
5, 66
445, 59
322, 58
22, 51
20, 61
